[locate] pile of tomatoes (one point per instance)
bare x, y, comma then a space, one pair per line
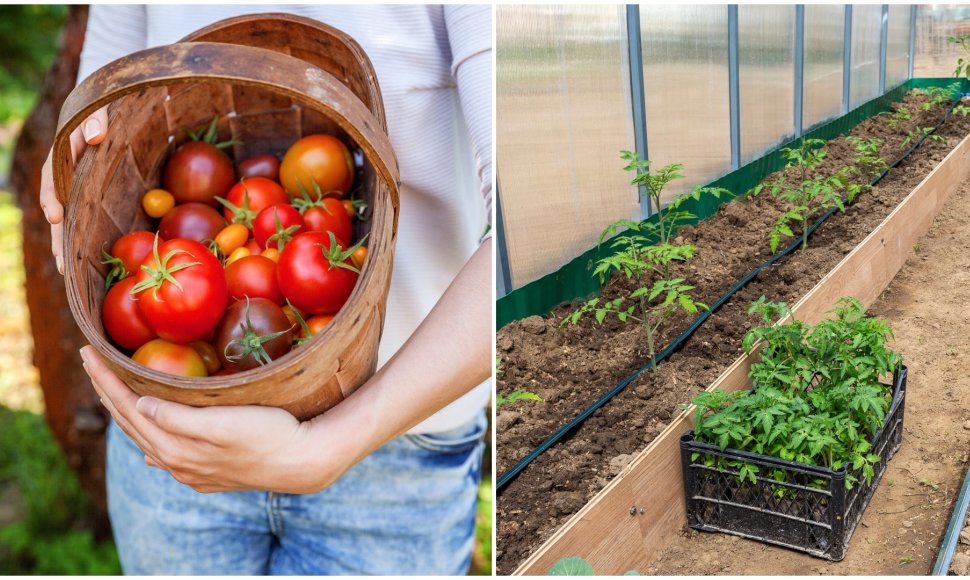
247, 262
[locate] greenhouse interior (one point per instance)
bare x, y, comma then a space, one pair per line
731, 276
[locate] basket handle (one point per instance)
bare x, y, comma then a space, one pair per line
219, 62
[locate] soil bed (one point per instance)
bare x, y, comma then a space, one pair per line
902, 529
571, 367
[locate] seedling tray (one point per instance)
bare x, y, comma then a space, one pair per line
798, 513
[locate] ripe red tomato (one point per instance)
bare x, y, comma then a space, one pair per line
249, 197
276, 225
253, 332
329, 215
253, 276
320, 159
315, 273
127, 254
265, 165
122, 319
191, 221
174, 359
197, 172
183, 293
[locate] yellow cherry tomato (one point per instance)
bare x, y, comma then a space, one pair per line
236, 254
232, 237
157, 202
316, 324
272, 254
358, 257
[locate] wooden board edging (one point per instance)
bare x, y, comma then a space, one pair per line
612, 535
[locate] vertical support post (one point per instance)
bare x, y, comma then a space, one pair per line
734, 86
883, 47
638, 100
847, 59
799, 67
503, 276
912, 40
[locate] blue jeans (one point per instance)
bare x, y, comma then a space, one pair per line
408, 508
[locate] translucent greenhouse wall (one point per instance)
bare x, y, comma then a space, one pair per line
563, 98
824, 34
709, 86
935, 57
684, 87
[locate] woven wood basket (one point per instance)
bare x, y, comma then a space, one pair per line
271, 79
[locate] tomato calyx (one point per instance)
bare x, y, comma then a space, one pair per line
282, 235
336, 255
359, 207
240, 215
305, 202
157, 277
306, 329
209, 135
118, 271
252, 343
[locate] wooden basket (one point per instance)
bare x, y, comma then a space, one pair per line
271, 79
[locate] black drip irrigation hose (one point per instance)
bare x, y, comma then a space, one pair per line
506, 477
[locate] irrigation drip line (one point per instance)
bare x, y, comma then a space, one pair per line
506, 477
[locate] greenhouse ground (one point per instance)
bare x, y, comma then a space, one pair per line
901, 530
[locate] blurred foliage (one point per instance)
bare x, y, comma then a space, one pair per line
52, 535
28, 42
482, 558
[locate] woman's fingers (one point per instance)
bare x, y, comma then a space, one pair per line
91, 132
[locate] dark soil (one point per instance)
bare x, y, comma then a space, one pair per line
572, 366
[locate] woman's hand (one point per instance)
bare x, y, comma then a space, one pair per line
221, 448
91, 132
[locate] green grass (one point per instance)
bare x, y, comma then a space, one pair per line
50, 529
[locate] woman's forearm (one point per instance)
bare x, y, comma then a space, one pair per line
447, 356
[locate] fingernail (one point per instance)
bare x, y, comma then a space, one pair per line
44, 209
91, 129
84, 356
147, 406
60, 264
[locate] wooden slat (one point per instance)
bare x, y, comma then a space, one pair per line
601, 533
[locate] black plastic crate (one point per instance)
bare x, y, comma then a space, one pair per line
804, 517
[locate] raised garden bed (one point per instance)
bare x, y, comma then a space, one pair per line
558, 484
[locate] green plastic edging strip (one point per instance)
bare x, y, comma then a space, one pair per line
574, 280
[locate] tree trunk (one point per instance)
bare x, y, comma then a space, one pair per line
76, 417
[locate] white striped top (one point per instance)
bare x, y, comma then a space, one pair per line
434, 66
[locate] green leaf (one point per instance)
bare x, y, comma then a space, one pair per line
573, 566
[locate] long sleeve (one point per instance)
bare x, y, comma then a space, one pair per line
113, 31
470, 37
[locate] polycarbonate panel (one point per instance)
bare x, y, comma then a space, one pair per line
897, 45
824, 37
685, 72
766, 41
935, 57
866, 38
563, 115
